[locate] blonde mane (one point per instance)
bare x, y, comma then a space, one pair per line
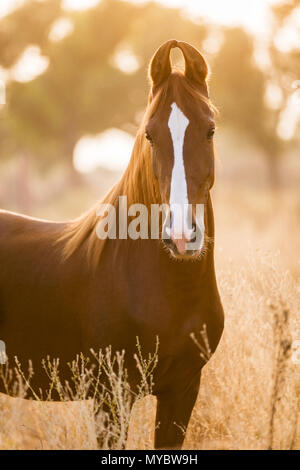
138, 182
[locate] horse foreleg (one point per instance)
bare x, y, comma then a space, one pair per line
174, 408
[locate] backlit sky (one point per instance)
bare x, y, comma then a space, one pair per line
253, 15
249, 13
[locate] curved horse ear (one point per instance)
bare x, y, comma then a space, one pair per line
196, 68
160, 64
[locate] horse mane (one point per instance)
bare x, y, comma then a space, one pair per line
138, 182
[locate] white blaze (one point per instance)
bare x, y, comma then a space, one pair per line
178, 123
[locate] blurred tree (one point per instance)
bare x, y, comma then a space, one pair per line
29, 24
286, 57
83, 90
239, 88
286, 62
79, 92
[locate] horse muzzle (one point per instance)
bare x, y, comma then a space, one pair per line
185, 243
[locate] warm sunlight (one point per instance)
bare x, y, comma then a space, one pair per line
79, 4
149, 228
111, 149
30, 65
251, 15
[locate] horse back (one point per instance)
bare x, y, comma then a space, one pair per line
41, 294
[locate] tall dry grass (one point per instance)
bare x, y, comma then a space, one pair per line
249, 395
91, 410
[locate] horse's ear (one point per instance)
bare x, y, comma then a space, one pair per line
160, 64
196, 68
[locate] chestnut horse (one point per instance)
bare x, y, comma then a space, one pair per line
63, 290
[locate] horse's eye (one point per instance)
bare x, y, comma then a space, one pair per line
211, 133
148, 137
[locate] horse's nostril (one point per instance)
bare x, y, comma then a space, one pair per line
194, 234
171, 245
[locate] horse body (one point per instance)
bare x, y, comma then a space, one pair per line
37, 298
50, 307
57, 305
